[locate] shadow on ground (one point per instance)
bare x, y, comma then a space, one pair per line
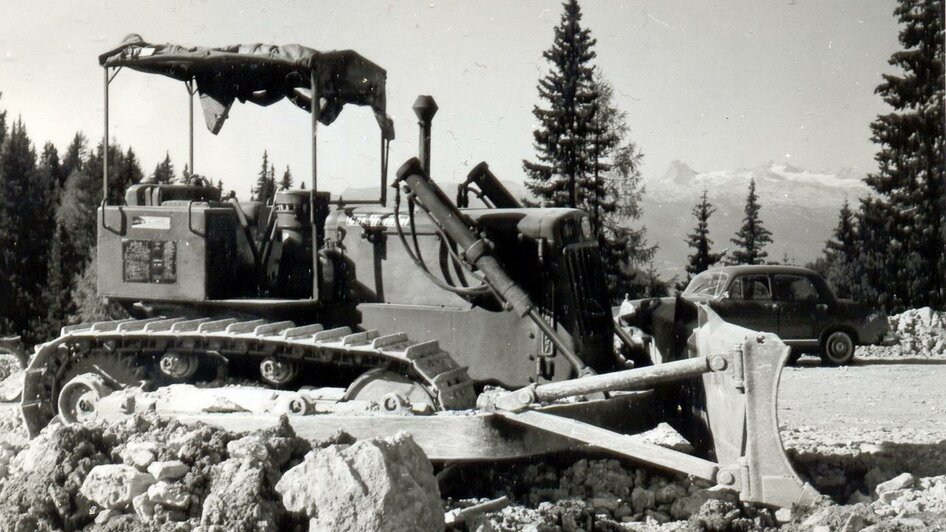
841, 475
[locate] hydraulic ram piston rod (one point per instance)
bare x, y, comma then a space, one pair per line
632, 379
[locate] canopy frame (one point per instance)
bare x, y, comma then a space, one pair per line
186, 64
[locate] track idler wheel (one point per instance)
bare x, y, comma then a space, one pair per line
276, 372
79, 398
391, 391
178, 366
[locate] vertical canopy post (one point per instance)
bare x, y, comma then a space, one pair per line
105, 145
314, 113
190, 104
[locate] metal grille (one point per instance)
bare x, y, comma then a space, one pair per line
588, 288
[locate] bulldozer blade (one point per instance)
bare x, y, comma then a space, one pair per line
722, 397
738, 411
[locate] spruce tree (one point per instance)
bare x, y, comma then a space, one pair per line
841, 253
265, 188
74, 157
164, 171
583, 157
911, 180
25, 231
49, 162
563, 140
615, 199
702, 258
752, 237
3, 123
286, 182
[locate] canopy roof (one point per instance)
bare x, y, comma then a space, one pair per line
262, 74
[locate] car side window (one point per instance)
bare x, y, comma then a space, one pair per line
751, 287
794, 288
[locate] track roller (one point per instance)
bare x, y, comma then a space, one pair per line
275, 372
79, 398
178, 366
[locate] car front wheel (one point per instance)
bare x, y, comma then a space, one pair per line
837, 349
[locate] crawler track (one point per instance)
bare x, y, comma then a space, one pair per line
130, 348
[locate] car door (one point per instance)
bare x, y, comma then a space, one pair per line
796, 297
749, 303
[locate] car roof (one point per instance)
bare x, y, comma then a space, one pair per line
763, 268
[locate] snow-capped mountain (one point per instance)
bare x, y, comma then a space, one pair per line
799, 206
776, 183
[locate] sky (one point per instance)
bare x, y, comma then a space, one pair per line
717, 84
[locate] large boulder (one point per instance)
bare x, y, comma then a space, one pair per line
378, 484
241, 498
115, 485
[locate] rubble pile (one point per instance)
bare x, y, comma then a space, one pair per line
921, 333
900, 503
849, 472
148, 473
604, 494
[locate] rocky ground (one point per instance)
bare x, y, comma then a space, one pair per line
871, 437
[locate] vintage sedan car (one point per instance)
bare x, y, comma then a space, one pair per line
795, 303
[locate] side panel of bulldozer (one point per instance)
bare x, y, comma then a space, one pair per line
184, 252
495, 348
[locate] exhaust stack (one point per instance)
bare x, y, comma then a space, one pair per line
425, 108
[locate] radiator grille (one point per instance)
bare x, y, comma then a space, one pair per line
588, 290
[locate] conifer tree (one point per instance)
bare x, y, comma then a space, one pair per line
25, 230
840, 253
3, 123
49, 162
164, 171
286, 182
615, 199
583, 156
265, 188
563, 139
910, 183
702, 258
752, 237
127, 172
75, 155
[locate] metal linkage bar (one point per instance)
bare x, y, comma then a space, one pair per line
622, 444
631, 379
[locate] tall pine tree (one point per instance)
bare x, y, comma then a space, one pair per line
752, 237
164, 171
286, 182
702, 258
563, 140
265, 188
3, 123
911, 180
25, 231
615, 199
583, 158
841, 254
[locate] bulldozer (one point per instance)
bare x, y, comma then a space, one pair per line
485, 332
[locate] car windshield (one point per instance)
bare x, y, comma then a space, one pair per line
708, 284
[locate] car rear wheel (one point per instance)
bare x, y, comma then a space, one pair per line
837, 349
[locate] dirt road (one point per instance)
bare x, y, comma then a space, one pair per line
876, 400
